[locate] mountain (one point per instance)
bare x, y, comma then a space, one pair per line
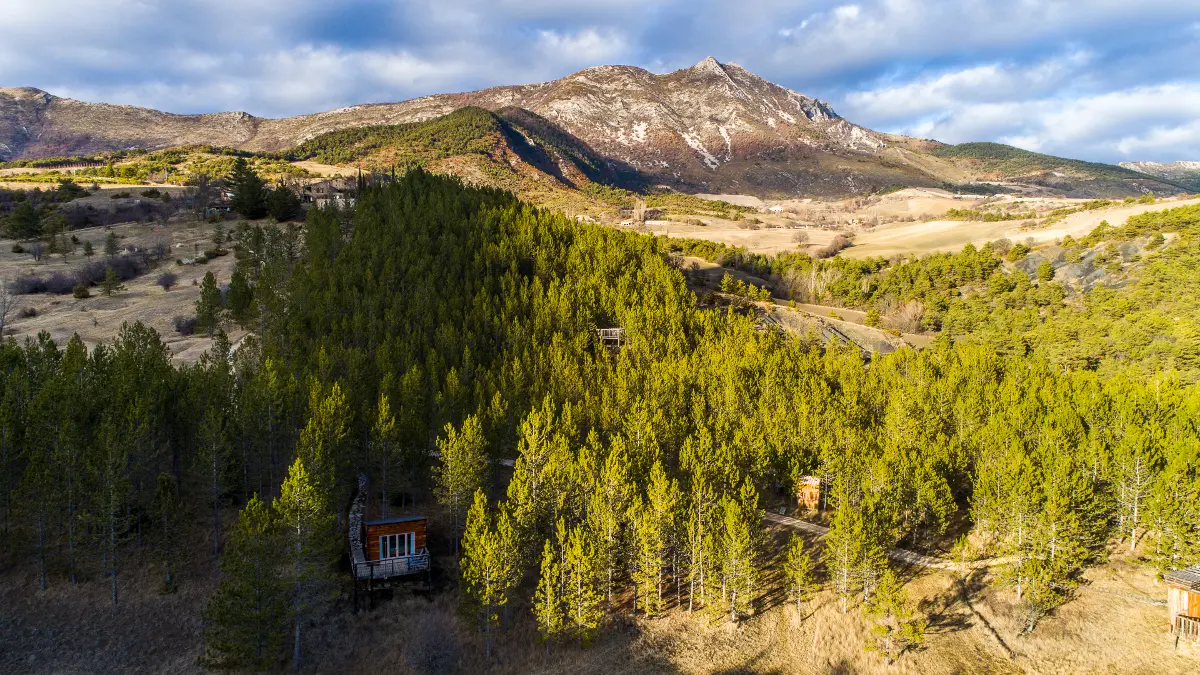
1184, 173
710, 128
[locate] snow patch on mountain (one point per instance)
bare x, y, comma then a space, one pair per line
694, 143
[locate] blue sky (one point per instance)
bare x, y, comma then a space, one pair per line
1103, 80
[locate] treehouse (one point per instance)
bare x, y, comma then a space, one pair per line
808, 493
1183, 603
384, 549
611, 338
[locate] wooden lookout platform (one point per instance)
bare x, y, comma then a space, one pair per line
611, 338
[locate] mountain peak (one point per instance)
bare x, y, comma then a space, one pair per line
710, 65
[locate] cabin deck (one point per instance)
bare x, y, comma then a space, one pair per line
1187, 628
374, 571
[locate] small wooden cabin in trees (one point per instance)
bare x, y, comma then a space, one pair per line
1183, 602
384, 548
808, 493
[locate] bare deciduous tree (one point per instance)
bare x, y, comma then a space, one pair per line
8, 303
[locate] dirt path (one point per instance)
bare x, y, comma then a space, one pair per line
900, 554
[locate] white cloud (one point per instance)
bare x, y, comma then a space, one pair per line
588, 46
1160, 122
952, 69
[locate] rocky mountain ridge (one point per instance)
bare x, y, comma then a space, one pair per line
1183, 172
713, 127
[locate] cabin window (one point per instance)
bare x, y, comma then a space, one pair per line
397, 545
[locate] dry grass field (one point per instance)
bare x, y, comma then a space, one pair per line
908, 223
1112, 626
98, 318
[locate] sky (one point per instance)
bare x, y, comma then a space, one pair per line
1103, 80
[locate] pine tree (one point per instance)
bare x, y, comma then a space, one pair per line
607, 514
208, 306
167, 514
383, 445
894, 623
739, 566
249, 190
283, 204
245, 622
547, 600
485, 569
241, 298
110, 517
110, 244
309, 547
580, 597
798, 570
323, 442
111, 283
463, 467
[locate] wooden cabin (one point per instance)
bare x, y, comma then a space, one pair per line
392, 538
1183, 602
808, 493
384, 549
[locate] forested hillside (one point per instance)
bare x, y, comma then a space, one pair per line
442, 317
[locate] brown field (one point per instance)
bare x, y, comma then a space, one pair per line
98, 318
908, 222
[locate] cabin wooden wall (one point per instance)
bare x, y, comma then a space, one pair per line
1179, 602
374, 532
808, 497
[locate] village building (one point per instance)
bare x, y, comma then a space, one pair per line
339, 192
1183, 603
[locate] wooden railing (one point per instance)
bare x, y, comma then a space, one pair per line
392, 567
1187, 628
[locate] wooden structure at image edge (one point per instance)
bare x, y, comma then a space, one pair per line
1183, 603
405, 541
808, 493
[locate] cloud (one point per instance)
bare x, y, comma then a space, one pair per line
1098, 79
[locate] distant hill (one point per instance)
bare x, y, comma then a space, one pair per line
1184, 173
714, 127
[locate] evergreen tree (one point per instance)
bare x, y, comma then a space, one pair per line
111, 283
309, 548
607, 514
110, 244
283, 204
798, 570
249, 190
581, 600
24, 222
483, 566
168, 516
88, 249
463, 467
241, 298
547, 599
245, 622
323, 442
208, 306
739, 565
894, 623
383, 440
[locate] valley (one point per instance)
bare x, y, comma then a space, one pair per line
621, 372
